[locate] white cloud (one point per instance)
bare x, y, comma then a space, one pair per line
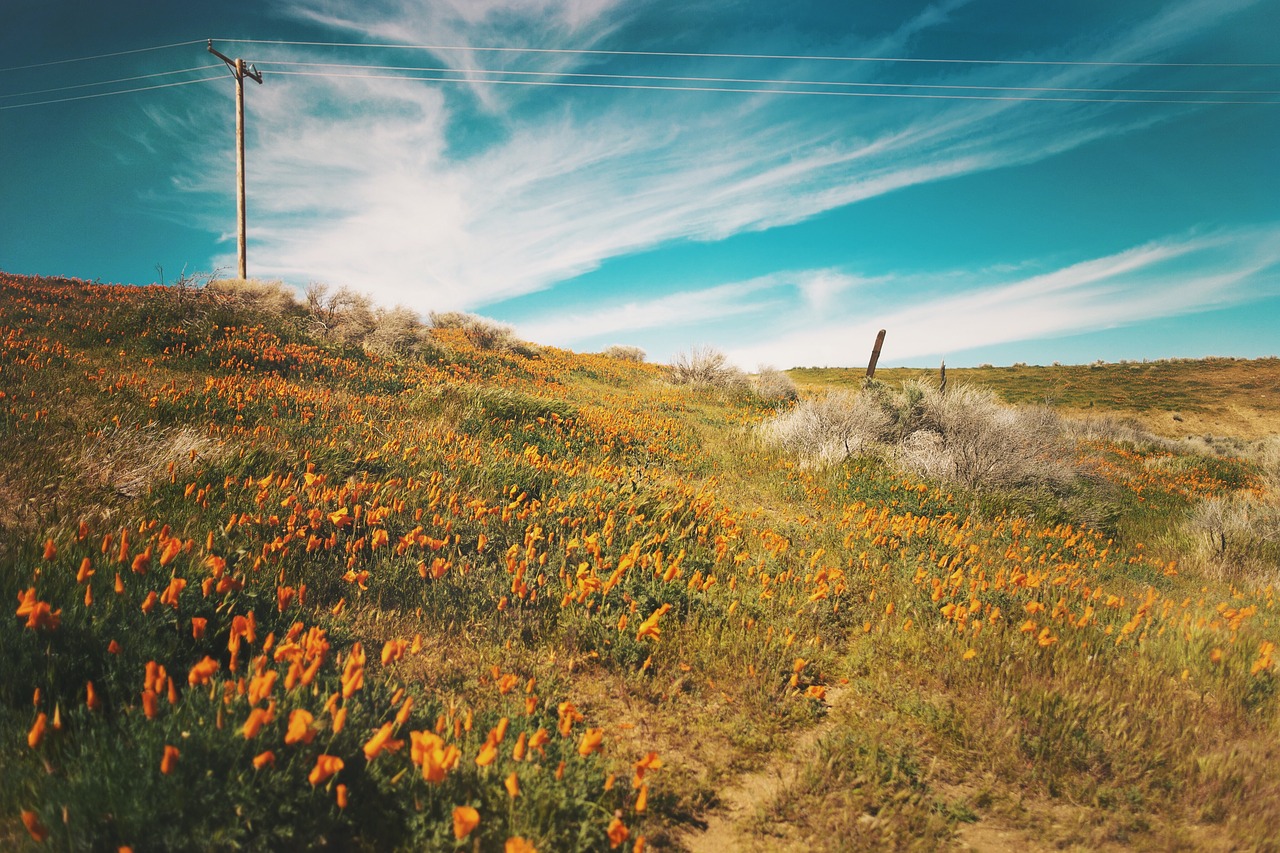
1161, 279
364, 183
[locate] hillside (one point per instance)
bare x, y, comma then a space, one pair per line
438, 589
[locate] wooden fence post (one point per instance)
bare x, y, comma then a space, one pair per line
875, 355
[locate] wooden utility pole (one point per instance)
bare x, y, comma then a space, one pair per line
239, 71
875, 355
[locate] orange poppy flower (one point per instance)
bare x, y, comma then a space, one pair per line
202, 671
262, 759
516, 844
512, 782
299, 727
465, 819
169, 760
35, 828
342, 796
92, 700
36, 734
591, 740
618, 832
380, 741
326, 767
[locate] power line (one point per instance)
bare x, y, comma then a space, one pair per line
757, 91
108, 82
100, 56
110, 94
696, 55
767, 81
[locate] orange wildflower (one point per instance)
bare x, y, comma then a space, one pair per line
618, 832
590, 743
516, 844
512, 782
169, 760
262, 759
650, 762
202, 671
36, 734
465, 819
299, 727
380, 741
35, 828
326, 766
50, 550
649, 627
341, 792
488, 753
642, 799
39, 613
86, 570
92, 700
258, 717
539, 740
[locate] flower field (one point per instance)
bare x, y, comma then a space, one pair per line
271, 591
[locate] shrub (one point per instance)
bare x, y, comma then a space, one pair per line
274, 298
396, 331
481, 331
706, 367
623, 352
772, 384
340, 314
964, 436
829, 428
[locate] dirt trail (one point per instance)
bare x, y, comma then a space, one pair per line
728, 826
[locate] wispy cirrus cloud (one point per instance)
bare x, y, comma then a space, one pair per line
1165, 278
373, 183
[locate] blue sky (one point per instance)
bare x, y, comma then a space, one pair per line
982, 223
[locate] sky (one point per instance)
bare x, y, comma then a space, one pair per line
990, 181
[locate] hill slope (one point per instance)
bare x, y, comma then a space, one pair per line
274, 590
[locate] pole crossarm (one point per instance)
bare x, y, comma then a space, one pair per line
237, 66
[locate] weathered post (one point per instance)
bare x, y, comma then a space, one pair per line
942, 378
875, 355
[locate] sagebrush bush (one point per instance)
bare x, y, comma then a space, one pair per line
964, 436
708, 368
829, 428
774, 385
622, 352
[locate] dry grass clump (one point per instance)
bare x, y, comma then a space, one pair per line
964, 436
623, 352
128, 461
773, 384
706, 367
481, 331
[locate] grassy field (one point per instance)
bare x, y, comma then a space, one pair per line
274, 589
1216, 396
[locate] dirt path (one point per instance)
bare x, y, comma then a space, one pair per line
728, 826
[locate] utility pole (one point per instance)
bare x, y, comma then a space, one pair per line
239, 71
